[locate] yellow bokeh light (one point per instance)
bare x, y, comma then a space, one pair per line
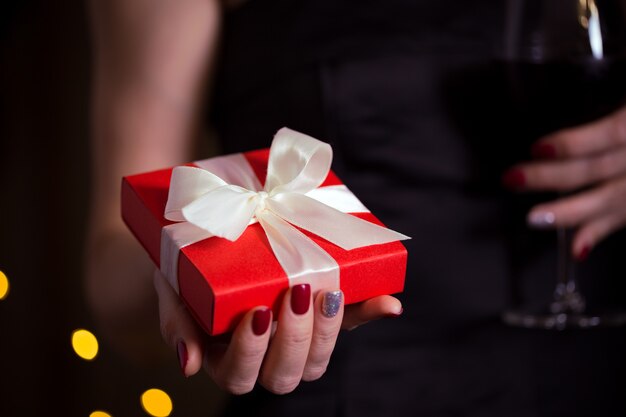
4, 286
85, 344
156, 402
99, 414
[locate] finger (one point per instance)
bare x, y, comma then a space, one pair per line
178, 328
372, 309
596, 137
286, 357
590, 234
581, 207
236, 367
568, 211
570, 174
328, 313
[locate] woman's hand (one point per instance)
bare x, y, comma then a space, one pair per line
589, 161
297, 348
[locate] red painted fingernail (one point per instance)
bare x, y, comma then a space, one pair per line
261, 321
300, 298
543, 150
583, 254
181, 350
514, 178
395, 315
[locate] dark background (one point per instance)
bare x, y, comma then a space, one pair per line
44, 181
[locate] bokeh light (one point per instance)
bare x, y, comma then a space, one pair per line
85, 344
4, 286
99, 414
156, 402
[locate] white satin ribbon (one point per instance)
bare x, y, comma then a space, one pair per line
223, 196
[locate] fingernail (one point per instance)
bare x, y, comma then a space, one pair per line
261, 321
181, 351
543, 150
583, 254
395, 315
541, 219
331, 303
300, 298
514, 178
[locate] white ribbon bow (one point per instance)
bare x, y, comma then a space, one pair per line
208, 205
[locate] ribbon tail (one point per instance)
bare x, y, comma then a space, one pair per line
344, 230
302, 259
174, 237
338, 197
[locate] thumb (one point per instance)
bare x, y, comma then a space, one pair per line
372, 309
178, 328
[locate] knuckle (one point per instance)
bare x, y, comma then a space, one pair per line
297, 341
314, 372
237, 387
326, 336
232, 381
281, 385
250, 354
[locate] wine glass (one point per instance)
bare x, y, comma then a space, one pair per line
565, 65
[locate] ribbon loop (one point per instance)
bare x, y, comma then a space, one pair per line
187, 185
230, 217
298, 163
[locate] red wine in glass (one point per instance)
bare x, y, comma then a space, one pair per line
565, 65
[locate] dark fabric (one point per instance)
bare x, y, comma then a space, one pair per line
411, 97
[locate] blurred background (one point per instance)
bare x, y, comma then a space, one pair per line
44, 179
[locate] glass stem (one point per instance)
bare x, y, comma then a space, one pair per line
567, 298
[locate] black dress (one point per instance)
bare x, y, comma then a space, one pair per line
410, 96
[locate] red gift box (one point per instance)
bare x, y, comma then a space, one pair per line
220, 280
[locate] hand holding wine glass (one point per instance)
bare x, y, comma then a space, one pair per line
565, 65
591, 158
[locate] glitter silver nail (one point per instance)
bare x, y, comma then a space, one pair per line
541, 219
331, 303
